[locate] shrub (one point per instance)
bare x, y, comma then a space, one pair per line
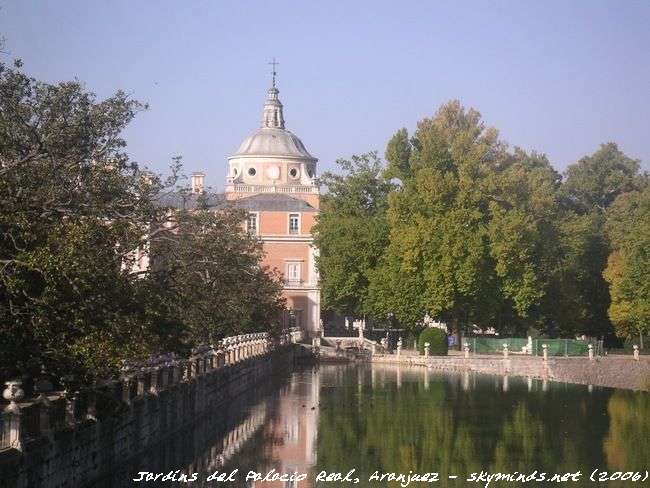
437, 339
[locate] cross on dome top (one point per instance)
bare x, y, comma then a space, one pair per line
272, 117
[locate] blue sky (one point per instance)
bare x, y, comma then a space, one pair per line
558, 77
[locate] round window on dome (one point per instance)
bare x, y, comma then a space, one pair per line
252, 171
293, 172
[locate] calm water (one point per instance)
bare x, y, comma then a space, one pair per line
401, 420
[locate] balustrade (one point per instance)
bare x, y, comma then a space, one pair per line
49, 410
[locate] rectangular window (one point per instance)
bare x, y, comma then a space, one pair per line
293, 272
294, 223
251, 223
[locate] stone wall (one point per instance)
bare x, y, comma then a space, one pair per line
613, 371
94, 448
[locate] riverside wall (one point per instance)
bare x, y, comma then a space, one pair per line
96, 448
612, 371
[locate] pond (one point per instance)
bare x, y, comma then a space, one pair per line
376, 420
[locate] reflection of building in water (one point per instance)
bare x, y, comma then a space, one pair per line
231, 443
294, 429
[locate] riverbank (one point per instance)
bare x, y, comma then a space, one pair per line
613, 371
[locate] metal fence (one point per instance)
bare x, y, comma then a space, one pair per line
534, 347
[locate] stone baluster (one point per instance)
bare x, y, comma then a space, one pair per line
43, 386
545, 352
12, 435
91, 408
636, 352
71, 398
141, 383
505, 351
154, 386
126, 389
590, 352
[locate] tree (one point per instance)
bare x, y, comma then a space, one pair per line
468, 226
72, 207
208, 271
628, 266
74, 214
351, 232
591, 185
595, 181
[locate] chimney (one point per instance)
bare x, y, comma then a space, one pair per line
197, 182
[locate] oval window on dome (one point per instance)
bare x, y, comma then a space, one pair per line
252, 171
293, 172
310, 173
234, 171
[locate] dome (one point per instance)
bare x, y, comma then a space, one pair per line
273, 141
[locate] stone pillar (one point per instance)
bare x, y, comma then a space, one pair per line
12, 434
141, 384
636, 352
399, 346
426, 349
466, 351
43, 386
70, 408
505, 351
126, 390
91, 410
545, 352
153, 384
590, 352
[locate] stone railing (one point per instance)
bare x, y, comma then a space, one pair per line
51, 411
239, 188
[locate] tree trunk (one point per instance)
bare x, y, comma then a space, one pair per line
640, 340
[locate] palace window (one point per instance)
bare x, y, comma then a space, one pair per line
293, 272
251, 223
294, 223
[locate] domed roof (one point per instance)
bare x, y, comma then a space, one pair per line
272, 141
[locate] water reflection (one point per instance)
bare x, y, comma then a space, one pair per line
401, 419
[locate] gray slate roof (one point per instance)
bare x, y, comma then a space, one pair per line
188, 201
273, 202
269, 202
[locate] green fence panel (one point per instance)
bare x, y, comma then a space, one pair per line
555, 347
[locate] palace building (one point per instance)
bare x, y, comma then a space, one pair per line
273, 177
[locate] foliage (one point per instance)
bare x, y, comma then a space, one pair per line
351, 233
628, 266
209, 273
437, 339
467, 227
75, 212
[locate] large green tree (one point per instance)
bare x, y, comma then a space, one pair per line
591, 185
351, 232
628, 268
75, 212
468, 226
208, 276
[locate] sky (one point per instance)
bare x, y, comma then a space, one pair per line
558, 77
